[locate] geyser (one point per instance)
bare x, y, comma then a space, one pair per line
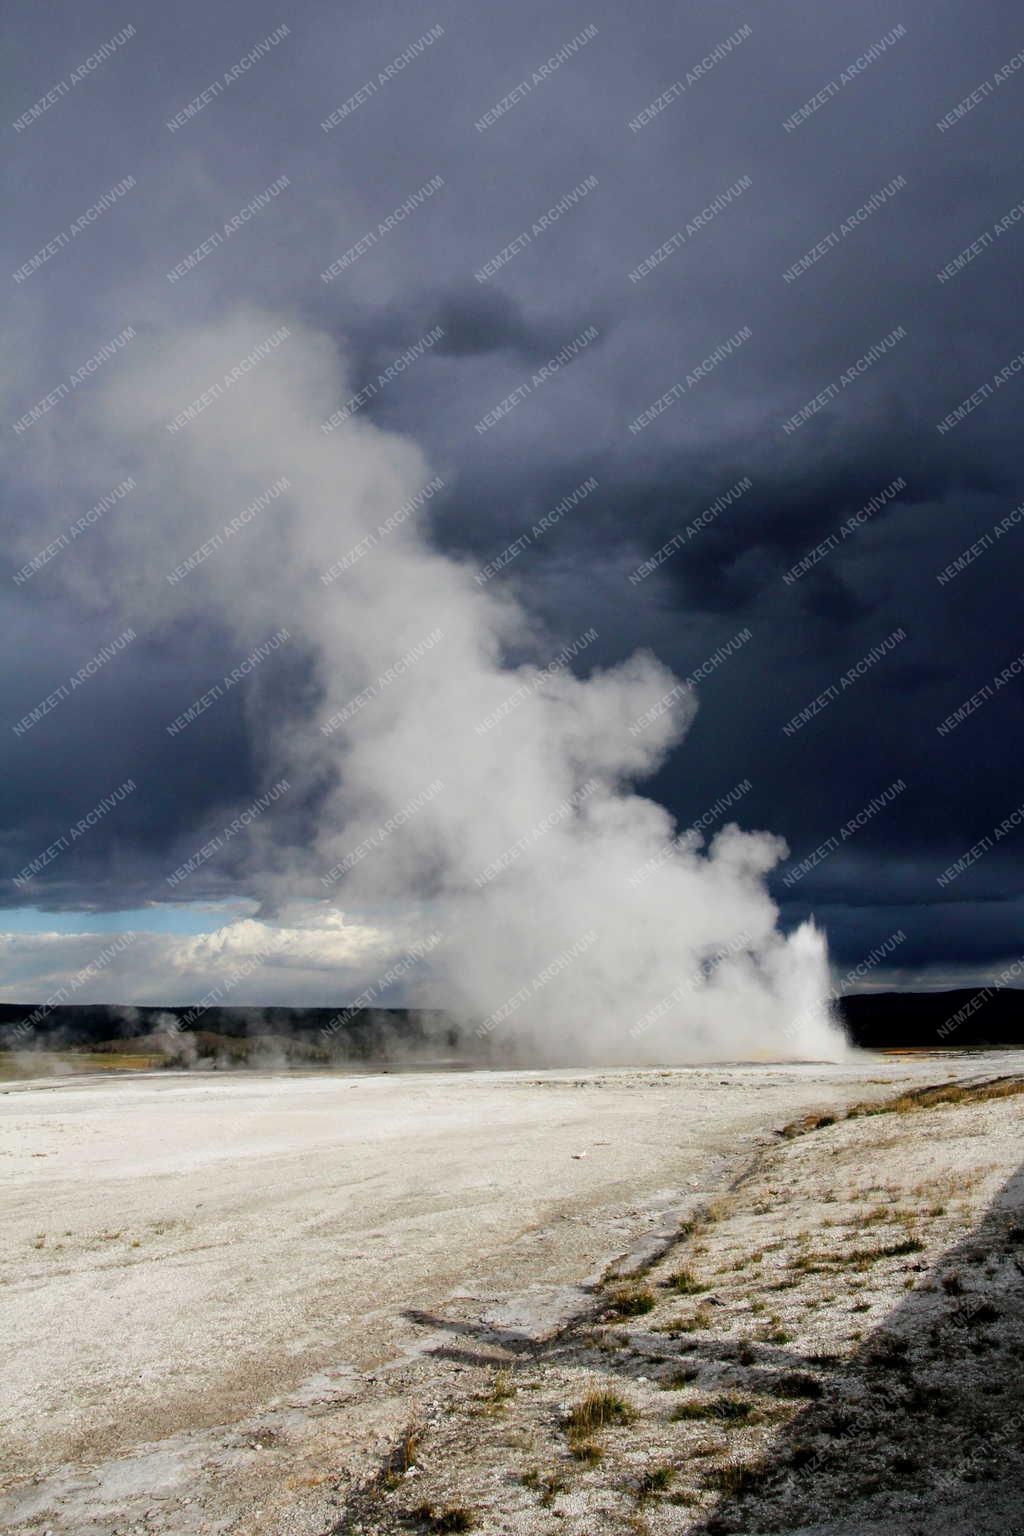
494, 803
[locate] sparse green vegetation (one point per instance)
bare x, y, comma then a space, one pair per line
657, 1480
888, 1251
908, 1245
772, 1334
727, 1407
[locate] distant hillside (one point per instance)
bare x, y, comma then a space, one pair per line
311, 1036
975, 1016
235, 1035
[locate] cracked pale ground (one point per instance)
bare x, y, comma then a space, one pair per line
228, 1298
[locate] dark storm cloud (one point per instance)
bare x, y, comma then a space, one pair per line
473, 321
861, 266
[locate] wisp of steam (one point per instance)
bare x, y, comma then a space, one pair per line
487, 803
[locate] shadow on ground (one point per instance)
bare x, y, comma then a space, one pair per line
925, 1422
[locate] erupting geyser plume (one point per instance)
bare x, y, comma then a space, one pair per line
491, 804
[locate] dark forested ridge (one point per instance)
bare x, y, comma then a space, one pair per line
974, 1018
235, 1035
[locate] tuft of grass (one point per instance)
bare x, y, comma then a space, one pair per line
980, 1312
679, 1378
657, 1480
889, 1350
596, 1411
455, 1519
502, 1388
442, 1521
631, 1301
729, 1408
587, 1451
551, 1487
773, 1332
863, 1256
805, 1124
701, 1320
735, 1479
402, 1457
685, 1283
635, 1524
795, 1384
811, 1263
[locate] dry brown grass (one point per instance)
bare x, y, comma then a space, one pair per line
597, 1410
911, 1100
401, 1458
630, 1300
685, 1283
943, 1093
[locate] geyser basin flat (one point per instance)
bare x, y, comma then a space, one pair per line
179, 1250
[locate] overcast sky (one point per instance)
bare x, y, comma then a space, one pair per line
755, 215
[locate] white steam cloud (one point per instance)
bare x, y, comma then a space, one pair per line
492, 804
